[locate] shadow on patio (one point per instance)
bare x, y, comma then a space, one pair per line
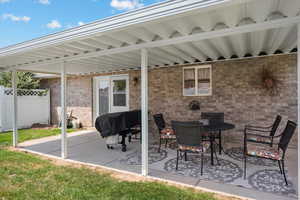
263, 181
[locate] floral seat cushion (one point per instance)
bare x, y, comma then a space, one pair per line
167, 133
255, 138
264, 152
195, 148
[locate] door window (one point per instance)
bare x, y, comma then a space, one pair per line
103, 93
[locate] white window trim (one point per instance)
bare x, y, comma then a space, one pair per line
196, 80
109, 78
120, 77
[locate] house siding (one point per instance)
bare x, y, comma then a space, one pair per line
236, 90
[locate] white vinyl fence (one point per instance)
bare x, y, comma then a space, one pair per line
33, 107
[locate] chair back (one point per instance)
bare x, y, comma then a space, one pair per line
188, 133
159, 121
287, 135
275, 125
213, 117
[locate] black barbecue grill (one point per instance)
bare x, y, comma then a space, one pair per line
121, 123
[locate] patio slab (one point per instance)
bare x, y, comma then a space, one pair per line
245, 192
85, 147
173, 177
89, 147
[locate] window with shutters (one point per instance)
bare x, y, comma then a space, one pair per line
197, 81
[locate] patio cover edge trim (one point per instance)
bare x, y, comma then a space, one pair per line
134, 17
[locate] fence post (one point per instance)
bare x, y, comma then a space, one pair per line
15, 108
49, 108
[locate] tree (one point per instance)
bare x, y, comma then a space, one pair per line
25, 80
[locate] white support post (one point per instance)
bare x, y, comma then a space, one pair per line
15, 107
144, 105
63, 112
298, 98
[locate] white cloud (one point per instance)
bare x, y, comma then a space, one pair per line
68, 26
14, 18
45, 2
80, 23
125, 4
54, 24
4, 1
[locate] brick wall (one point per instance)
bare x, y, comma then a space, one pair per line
237, 92
79, 98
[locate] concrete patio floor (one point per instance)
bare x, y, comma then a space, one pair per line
89, 147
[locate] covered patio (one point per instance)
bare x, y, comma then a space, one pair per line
168, 35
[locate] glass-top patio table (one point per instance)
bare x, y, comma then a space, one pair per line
212, 129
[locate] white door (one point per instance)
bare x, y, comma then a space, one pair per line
119, 93
112, 94
102, 95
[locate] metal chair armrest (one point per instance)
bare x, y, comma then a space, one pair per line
258, 135
258, 127
256, 130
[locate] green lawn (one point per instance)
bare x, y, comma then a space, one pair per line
29, 134
24, 176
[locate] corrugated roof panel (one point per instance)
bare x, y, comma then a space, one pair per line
250, 12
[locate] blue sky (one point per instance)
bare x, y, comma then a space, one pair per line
22, 20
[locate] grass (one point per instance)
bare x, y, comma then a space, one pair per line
29, 134
24, 176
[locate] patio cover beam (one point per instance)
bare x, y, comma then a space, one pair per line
15, 107
143, 15
63, 112
144, 105
178, 40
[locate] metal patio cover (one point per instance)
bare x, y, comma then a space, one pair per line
174, 33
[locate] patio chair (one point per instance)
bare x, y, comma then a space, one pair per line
267, 134
165, 133
215, 118
189, 137
267, 152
